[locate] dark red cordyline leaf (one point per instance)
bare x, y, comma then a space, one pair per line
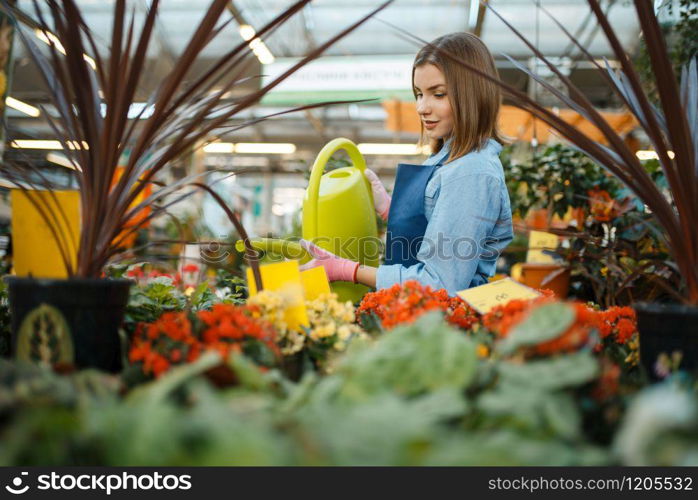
168, 133
672, 127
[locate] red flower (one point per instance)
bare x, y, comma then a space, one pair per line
190, 268
135, 272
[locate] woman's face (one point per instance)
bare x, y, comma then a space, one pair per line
433, 105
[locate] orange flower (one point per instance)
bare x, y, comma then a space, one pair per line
172, 339
501, 319
176, 325
625, 329
403, 303
607, 385
619, 324
159, 365
139, 352
601, 206
574, 337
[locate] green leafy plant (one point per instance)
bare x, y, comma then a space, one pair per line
556, 177
405, 360
680, 37
416, 395
149, 302
660, 427
620, 261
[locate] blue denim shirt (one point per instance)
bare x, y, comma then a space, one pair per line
467, 207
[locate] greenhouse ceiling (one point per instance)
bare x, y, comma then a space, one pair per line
426, 19
369, 46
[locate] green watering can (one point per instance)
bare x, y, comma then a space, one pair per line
338, 215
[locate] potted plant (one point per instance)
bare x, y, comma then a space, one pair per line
619, 257
560, 179
77, 319
672, 129
557, 178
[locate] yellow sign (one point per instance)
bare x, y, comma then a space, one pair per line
315, 282
36, 251
484, 297
537, 242
284, 277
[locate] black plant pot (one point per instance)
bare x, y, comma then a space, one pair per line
68, 321
666, 328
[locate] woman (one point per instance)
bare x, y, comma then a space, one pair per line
449, 218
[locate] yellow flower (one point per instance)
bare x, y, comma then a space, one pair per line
482, 351
344, 332
323, 331
331, 322
268, 299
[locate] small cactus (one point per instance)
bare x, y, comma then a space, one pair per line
44, 337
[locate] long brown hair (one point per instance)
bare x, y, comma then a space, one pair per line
474, 100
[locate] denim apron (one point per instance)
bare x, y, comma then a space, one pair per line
407, 221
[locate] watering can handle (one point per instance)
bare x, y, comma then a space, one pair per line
318, 169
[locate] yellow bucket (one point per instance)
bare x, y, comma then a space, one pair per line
35, 250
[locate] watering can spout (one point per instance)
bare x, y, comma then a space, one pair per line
288, 249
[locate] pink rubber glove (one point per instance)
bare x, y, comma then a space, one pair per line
337, 268
381, 198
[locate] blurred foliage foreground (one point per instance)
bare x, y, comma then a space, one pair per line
420, 394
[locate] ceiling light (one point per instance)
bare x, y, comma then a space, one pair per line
90, 61
35, 144
473, 13
45, 144
371, 148
651, 155
272, 148
247, 32
219, 147
61, 160
265, 148
261, 51
22, 106
50, 39
258, 47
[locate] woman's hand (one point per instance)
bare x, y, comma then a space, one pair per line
337, 268
381, 198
